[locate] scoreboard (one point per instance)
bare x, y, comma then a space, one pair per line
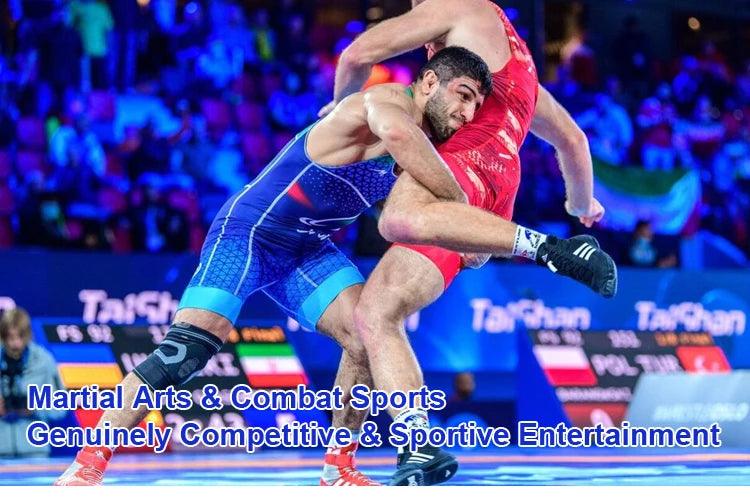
102, 354
594, 373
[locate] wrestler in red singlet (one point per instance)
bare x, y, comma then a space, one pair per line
483, 154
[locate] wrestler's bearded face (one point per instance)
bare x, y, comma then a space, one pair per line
451, 107
442, 123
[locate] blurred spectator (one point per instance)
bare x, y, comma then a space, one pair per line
570, 93
157, 227
126, 15
716, 73
41, 216
147, 152
703, 131
62, 44
732, 163
265, 38
93, 20
22, 363
77, 156
293, 46
190, 35
609, 129
581, 61
165, 13
656, 118
463, 387
219, 64
687, 84
237, 36
643, 252
291, 107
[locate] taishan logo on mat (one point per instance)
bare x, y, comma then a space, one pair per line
690, 317
157, 307
533, 313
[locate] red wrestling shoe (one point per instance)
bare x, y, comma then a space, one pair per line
86, 470
339, 469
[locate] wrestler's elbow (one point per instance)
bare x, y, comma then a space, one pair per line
395, 135
573, 138
400, 225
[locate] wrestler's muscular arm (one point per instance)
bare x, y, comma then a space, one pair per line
388, 116
392, 37
554, 124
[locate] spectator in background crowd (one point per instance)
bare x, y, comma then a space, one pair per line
609, 129
22, 363
580, 59
655, 119
62, 44
294, 45
703, 131
147, 151
717, 77
643, 252
237, 36
219, 64
570, 93
77, 157
93, 20
41, 216
265, 38
731, 166
189, 36
158, 227
463, 387
687, 85
165, 14
292, 107
126, 15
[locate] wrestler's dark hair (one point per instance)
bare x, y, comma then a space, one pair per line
453, 62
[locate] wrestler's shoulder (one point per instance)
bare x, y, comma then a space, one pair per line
392, 90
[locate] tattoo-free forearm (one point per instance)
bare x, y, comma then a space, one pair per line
554, 124
578, 174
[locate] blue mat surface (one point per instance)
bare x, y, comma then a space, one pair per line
510, 466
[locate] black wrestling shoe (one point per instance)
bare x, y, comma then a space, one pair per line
408, 475
581, 259
435, 466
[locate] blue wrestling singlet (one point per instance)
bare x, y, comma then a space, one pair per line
274, 235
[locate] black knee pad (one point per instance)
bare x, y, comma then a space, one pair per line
183, 353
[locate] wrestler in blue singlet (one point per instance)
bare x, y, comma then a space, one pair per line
274, 235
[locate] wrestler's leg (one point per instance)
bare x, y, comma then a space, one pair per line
321, 293
414, 215
403, 282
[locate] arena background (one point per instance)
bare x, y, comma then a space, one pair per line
119, 144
